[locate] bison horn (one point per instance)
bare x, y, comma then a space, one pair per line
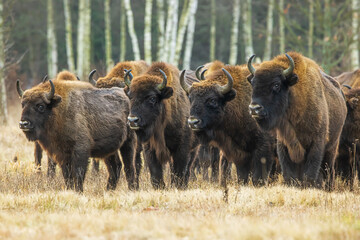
91, 79
45, 78
77, 77
18, 88
197, 72
162, 85
250, 66
51, 94
225, 89
347, 86
203, 74
289, 71
183, 84
126, 77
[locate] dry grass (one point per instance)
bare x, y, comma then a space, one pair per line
34, 208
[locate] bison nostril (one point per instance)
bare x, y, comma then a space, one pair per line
133, 119
193, 121
255, 107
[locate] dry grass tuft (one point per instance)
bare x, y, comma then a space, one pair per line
34, 207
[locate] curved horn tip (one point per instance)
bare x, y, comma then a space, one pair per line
291, 67
250, 66
51, 94
183, 84
197, 72
45, 78
126, 79
225, 89
164, 82
18, 88
91, 79
203, 74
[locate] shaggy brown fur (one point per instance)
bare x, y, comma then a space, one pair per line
66, 75
350, 135
350, 78
224, 121
115, 78
70, 127
161, 122
306, 109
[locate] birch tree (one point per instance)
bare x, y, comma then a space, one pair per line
84, 38
311, 28
281, 27
184, 19
51, 41
3, 103
131, 28
269, 30
234, 33
247, 33
108, 42
354, 47
147, 31
174, 27
327, 35
68, 36
161, 28
122, 32
213, 31
190, 35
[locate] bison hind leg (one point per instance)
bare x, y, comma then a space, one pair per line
155, 167
113, 165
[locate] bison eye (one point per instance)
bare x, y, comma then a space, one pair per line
40, 107
213, 102
276, 87
152, 99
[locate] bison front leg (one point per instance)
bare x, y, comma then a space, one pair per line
313, 163
215, 159
138, 162
288, 167
262, 161
67, 174
156, 170
51, 168
127, 151
38, 155
113, 165
224, 170
80, 165
179, 169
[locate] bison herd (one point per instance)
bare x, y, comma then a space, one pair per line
284, 114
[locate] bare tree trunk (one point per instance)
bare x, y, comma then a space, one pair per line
247, 33
68, 33
190, 35
311, 28
87, 40
147, 31
80, 38
354, 47
269, 30
122, 33
184, 20
281, 27
213, 31
234, 33
108, 42
161, 28
327, 35
174, 27
131, 28
51, 41
3, 101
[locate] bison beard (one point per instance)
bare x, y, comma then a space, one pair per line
158, 108
219, 114
305, 107
68, 122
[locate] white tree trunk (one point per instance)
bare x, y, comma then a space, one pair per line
269, 30
184, 20
190, 35
247, 33
131, 28
234, 33
281, 27
68, 33
122, 33
213, 31
51, 41
173, 36
108, 42
87, 40
354, 47
311, 28
147, 31
161, 28
80, 39
3, 101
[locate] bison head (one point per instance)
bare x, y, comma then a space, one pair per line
208, 100
36, 104
270, 95
147, 107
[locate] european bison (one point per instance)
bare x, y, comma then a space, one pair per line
349, 78
115, 78
350, 136
219, 115
158, 112
67, 119
207, 156
293, 97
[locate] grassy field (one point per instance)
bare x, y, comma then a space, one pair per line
32, 207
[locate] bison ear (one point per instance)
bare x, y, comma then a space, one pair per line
55, 100
230, 95
292, 80
167, 92
353, 102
